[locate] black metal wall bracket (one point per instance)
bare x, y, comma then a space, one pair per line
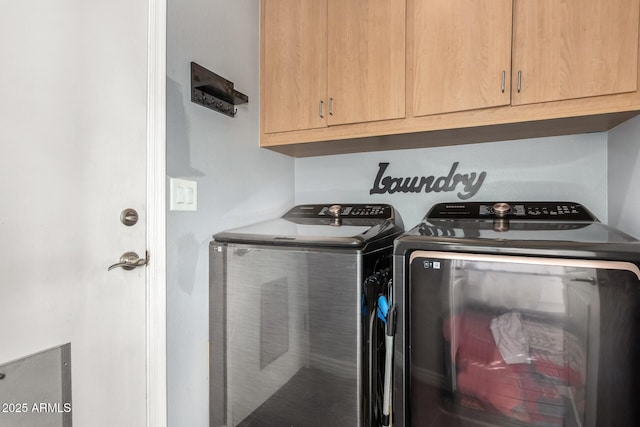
212, 91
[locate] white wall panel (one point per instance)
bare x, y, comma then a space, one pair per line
624, 176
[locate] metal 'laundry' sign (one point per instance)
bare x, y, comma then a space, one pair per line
467, 184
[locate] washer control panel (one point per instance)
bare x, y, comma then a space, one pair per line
315, 213
360, 211
542, 211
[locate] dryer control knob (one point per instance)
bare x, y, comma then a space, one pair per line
334, 210
501, 209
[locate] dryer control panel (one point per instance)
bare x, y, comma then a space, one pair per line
538, 211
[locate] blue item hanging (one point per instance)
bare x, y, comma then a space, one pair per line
383, 308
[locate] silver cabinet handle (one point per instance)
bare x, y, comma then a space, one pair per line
519, 81
331, 106
321, 106
504, 78
130, 260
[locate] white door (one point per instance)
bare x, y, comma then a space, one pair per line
75, 121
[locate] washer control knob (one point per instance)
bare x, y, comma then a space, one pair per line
334, 210
501, 209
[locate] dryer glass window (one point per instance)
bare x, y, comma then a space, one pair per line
502, 341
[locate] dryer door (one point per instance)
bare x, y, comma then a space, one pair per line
502, 341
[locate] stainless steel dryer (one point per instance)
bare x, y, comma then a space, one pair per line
292, 317
517, 314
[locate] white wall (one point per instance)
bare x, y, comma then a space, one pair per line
624, 176
238, 182
567, 168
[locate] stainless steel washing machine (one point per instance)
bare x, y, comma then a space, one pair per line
293, 334
517, 314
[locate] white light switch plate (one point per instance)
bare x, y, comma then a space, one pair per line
184, 195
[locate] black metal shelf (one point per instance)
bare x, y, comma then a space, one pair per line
212, 91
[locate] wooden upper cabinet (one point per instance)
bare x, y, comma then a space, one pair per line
293, 64
461, 54
336, 72
573, 49
366, 60
331, 62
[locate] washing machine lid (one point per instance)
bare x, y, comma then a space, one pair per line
523, 226
346, 225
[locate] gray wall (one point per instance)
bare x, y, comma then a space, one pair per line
624, 176
568, 168
237, 182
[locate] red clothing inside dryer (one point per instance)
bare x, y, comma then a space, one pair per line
514, 390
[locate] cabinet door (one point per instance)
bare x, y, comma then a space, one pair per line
461, 55
566, 49
366, 60
294, 64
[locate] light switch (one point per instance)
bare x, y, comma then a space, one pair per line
184, 195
